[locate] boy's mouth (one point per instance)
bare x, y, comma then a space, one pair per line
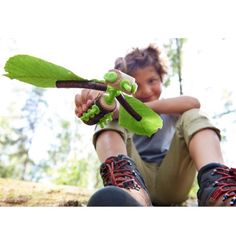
147, 99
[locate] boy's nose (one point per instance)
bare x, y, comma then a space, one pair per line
146, 91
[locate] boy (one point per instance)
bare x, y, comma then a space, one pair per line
142, 171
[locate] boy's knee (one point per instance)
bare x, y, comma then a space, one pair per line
191, 117
192, 114
192, 121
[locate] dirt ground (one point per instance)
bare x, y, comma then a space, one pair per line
23, 193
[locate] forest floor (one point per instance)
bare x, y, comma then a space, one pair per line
23, 193
191, 202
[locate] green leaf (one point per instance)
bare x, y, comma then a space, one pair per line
148, 125
36, 71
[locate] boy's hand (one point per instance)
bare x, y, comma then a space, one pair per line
84, 100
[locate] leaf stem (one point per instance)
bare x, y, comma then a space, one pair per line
101, 87
128, 108
80, 84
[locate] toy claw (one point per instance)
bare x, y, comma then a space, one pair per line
100, 112
90, 113
120, 81
104, 120
111, 76
126, 85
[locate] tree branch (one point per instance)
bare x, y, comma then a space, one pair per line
223, 114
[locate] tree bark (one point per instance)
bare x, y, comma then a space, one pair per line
29, 194
23, 193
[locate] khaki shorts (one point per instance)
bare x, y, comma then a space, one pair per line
170, 181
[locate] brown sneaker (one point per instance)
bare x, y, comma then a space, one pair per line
124, 185
217, 186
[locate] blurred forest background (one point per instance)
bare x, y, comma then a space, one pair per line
41, 140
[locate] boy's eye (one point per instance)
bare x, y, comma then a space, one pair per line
152, 81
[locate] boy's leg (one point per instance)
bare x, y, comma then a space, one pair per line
217, 185
177, 171
204, 148
123, 184
174, 177
217, 182
169, 183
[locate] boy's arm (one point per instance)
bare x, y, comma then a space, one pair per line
177, 105
109, 143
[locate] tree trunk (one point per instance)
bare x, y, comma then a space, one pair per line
23, 193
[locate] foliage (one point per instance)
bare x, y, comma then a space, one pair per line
225, 114
174, 53
41, 73
60, 148
36, 71
17, 137
78, 172
149, 124
7, 165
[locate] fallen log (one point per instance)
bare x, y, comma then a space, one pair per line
25, 193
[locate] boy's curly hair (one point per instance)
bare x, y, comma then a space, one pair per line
140, 58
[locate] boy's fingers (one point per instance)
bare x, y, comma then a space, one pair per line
85, 95
78, 100
84, 100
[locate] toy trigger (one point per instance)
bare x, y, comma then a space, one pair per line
99, 113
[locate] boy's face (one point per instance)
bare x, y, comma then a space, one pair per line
149, 84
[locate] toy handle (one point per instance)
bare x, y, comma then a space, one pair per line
99, 112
